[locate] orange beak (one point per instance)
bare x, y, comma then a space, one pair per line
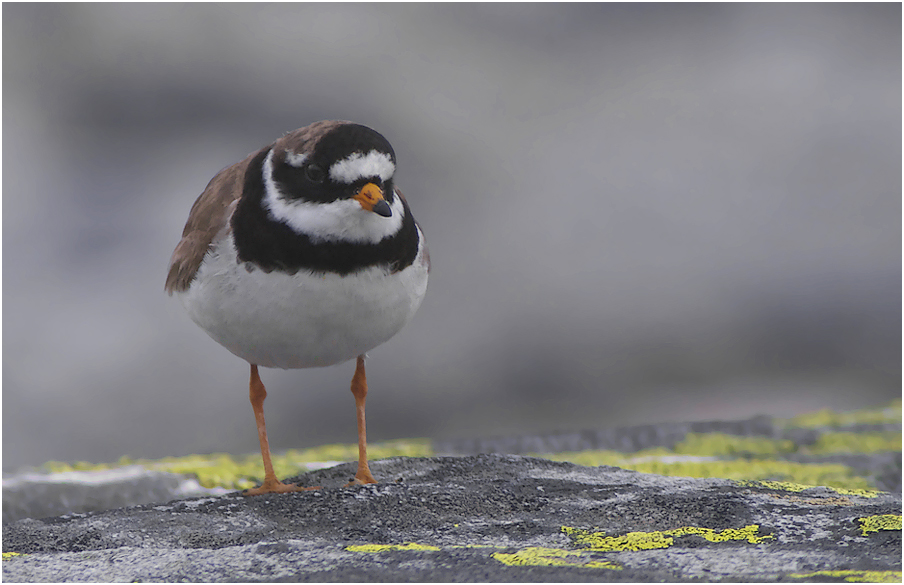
371, 198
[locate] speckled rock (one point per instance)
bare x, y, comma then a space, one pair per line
853, 450
478, 518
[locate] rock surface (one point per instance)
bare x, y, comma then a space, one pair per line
478, 518
860, 449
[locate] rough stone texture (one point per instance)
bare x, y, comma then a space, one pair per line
866, 462
477, 518
38, 495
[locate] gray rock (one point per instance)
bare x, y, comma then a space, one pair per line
32, 494
475, 518
40, 494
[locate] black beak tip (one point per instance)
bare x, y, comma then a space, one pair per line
382, 209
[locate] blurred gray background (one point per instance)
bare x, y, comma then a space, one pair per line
636, 213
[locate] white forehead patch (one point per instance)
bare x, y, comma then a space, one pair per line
358, 166
338, 221
294, 159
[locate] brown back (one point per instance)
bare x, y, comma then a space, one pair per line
209, 215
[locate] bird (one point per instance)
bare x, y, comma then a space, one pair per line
304, 254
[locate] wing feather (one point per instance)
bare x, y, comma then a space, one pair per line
209, 215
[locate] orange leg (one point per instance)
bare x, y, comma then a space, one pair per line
271, 485
359, 389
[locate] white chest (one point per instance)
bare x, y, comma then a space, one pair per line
305, 319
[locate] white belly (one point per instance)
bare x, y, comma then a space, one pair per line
300, 320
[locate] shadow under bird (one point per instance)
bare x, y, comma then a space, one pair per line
304, 254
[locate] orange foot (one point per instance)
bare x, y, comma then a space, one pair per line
277, 487
362, 479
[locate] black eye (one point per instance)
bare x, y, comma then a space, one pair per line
314, 173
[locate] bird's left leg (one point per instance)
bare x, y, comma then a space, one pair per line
359, 390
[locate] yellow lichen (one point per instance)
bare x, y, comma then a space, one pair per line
9, 555
880, 522
759, 458
536, 556
856, 492
590, 542
721, 444
797, 487
597, 457
242, 472
831, 443
378, 548
634, 541
661, 462
786, 486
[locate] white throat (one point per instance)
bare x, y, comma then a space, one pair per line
342, 220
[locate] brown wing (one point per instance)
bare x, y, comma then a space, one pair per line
209, 215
